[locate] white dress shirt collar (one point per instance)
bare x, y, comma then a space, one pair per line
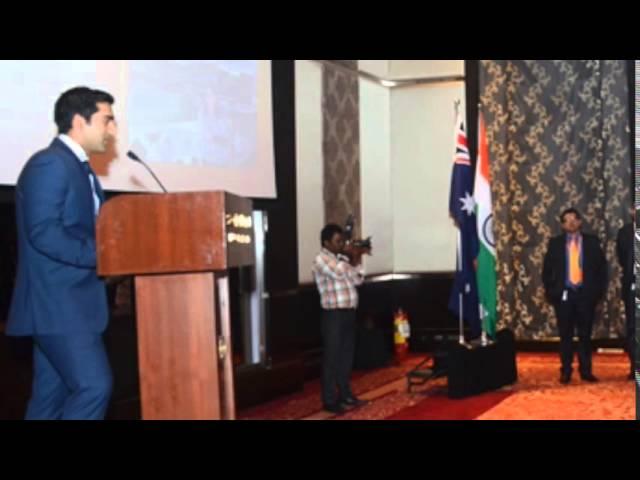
74, 146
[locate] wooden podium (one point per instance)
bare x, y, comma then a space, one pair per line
179, 247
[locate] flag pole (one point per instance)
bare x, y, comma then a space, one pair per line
484, 339
460, 302
461, 340
456, 107
461, 336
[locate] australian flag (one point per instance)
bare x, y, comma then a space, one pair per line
462, 211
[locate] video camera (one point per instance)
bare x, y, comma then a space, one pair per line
360, 244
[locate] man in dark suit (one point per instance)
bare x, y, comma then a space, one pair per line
624, 249
58, 298
575, 279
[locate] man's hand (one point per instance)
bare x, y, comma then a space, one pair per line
356, 259
355, 254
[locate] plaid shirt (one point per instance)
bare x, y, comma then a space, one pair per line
336, 279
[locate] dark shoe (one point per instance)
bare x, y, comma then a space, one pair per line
589, 377
354, 402
565, 378
336, 408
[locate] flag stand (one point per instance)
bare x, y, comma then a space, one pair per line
484, 339
461, 336
461, 339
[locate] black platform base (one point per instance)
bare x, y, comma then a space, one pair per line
482, 368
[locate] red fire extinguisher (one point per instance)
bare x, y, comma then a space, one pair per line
401, 333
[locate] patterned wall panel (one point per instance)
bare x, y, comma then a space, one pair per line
341, 145
559, 137
351, 64
637, 232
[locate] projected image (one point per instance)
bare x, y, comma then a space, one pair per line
201, 124
194, 112
21, 116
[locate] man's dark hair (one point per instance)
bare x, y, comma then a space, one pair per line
570, 210
80, 100
328, 232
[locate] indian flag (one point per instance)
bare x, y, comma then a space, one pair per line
486, 272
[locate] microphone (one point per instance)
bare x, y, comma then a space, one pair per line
136, 158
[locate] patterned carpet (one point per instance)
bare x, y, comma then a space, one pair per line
539, 396
307, 402
536, 396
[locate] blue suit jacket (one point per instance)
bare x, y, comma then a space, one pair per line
57, 290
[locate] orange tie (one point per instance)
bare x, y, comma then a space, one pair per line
575, 272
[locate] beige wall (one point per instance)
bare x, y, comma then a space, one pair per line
308, 104
400, 69
406, 158
422, 134
379, 68
375, 174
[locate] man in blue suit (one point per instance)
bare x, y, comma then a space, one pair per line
58, 298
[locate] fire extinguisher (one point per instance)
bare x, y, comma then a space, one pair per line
401, 333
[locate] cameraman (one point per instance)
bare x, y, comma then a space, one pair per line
337, 271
